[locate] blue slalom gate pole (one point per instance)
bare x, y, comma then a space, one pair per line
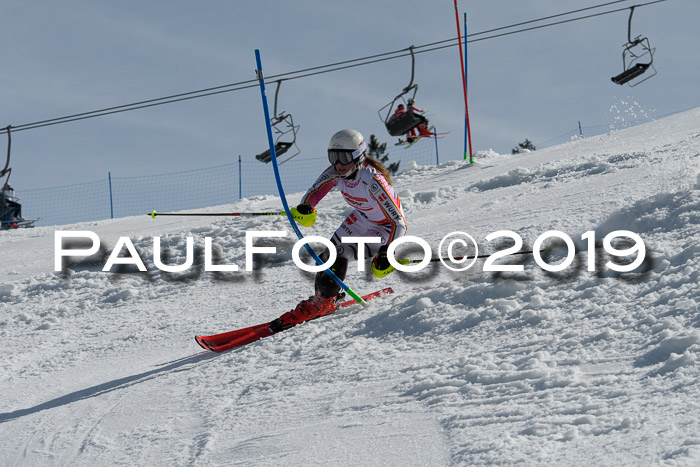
463, 70
466, 84
280, 188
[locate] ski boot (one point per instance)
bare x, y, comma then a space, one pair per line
311, 308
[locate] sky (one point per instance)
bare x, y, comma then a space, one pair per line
77, 56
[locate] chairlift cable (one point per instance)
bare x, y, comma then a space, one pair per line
312, 71
566, 21
547, 18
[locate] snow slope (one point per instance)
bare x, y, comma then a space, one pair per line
474, 367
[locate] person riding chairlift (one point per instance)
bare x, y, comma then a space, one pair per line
422, 129
10, 208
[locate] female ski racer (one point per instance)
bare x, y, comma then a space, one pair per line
366, 186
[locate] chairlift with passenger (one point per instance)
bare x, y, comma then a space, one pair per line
285, 133
10, 207
637, 58
398, 125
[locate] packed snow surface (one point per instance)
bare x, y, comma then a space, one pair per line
574, 367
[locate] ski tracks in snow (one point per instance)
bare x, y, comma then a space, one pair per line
455, 368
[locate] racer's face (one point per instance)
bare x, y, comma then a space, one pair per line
343, 169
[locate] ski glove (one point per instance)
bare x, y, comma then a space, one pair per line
305, 214
380, 264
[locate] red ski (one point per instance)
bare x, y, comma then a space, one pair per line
241, 337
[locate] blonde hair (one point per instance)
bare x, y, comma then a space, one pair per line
380, 167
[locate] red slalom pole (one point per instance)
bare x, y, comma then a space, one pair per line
464, 85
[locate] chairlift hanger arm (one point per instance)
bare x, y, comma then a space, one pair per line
629, 27
6, 170
413, 69
277, 91
406, 90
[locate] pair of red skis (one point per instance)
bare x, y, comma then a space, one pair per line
240, 337
413, 140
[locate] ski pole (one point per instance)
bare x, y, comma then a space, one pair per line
153, 214
459, 258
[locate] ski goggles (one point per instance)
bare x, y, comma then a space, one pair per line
345, 156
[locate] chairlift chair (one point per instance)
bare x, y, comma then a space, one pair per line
10, 207
637, 58
5, 208
285, 134
402, 124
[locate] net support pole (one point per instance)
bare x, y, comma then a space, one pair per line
240, 178
111, 198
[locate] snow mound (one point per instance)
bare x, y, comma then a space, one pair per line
578, 367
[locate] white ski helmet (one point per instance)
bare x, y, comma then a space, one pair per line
347, 146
